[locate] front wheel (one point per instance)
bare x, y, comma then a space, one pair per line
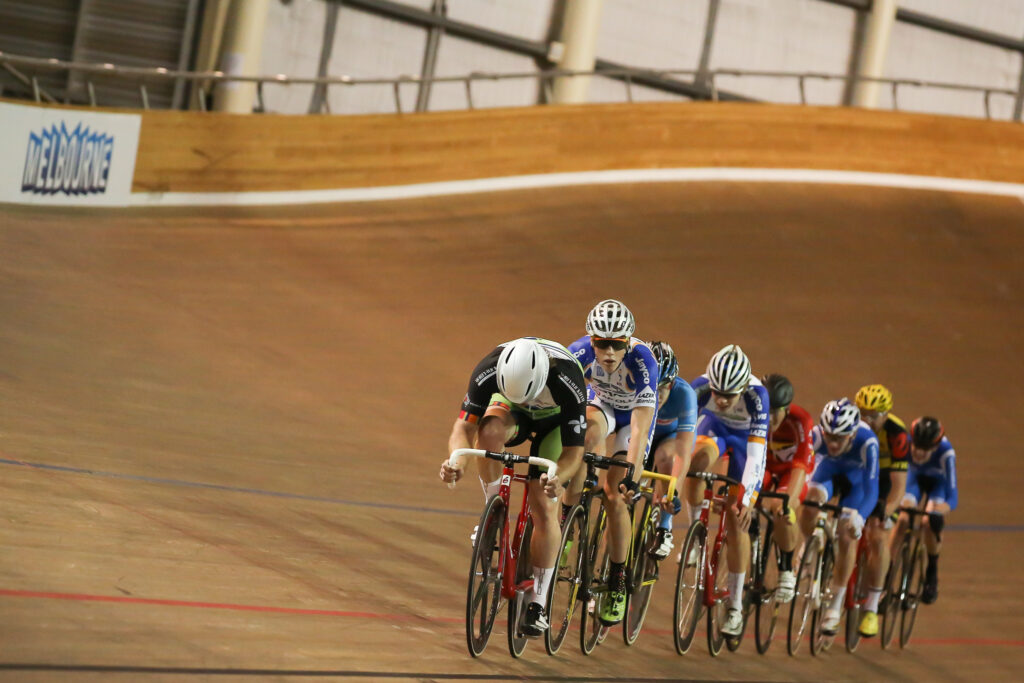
860, 594
765, 583
720, 598
517, 606
483, 597
914, 584
689, 587
643, 572
820, 641
565, 586
894, 593
595, 581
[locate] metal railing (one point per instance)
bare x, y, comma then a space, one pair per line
205, 81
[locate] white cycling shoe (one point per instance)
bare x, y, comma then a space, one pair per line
733, 622
786, 588
830, 623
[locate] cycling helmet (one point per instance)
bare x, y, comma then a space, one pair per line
729, 370
780, 391
926, 432
522, 370
668, 366
610, 319
874, 397
839, 417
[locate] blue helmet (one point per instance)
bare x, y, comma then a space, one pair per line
839, 417
668, 366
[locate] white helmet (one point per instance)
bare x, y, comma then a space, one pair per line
522, 370
729, 370
610, 319
839, 417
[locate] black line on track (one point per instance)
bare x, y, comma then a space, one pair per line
312, 673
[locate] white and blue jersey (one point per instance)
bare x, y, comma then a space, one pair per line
634, 384
853, 473
936, 477
741, 431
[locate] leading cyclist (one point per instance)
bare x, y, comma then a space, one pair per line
847, 466
529, 388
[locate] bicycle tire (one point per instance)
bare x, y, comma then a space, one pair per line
716, 613
565, 585
598, 561
892, 605
766, 607
805, 595
644, 571
517, 606
820, 641
860, 589
914, 584
689, 591
749, 587
483, 594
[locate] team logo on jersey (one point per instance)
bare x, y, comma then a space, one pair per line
484, 376
578, 424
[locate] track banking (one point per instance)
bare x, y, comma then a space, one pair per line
73, 163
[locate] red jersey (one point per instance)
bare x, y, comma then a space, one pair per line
789, 446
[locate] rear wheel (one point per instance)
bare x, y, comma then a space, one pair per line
805, 595
517, 606
483, 597
689, 583
914, 583
595, 579
860, 594
766, 609
643, 573
565, 586
820, 641
894, 593
717, 612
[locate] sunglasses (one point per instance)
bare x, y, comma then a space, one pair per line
617, 344
725, 395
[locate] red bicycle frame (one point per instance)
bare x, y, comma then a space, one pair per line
510, 545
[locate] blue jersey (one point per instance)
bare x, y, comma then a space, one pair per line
679, 412
858, 465
937, 476
633, 384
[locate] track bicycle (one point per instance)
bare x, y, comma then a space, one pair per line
814, 582
759, 593
856, 594
500, 570
906, 578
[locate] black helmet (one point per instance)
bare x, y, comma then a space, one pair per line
668, 367
926, 432
780, 391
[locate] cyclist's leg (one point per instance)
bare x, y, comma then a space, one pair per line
738, 548
665, 455
877, 529
498, 427
786, 534
618, 513
933, 525
599, 424
546, 444
706, 451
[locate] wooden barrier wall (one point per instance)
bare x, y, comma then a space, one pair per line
196, 152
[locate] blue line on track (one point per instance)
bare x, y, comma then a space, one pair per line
1001, 528
237, 489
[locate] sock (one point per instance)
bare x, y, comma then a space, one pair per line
491, 488
694, 513
873, 595
541, 581
933, 567
617, 576
735, 586
665, 522
838, 595
785, 560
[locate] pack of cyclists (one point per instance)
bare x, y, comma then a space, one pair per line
611, 393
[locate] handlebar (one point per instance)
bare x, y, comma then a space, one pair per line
784, 497
458, 457
912, 511
710, 477
827, 507
605, 462
671, 493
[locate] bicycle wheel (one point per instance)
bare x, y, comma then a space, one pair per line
565, 586
821, 641
860, 594
716, 613
892, 602
766, 608
914, 582
483, 596
644, 572
689, 587
595, 581
517, 606
749, 586
805, 596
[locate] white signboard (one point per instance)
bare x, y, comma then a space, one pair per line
54, 155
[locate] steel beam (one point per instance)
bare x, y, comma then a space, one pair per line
319, 97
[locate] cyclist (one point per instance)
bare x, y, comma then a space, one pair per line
733, 423
875, 404
847, 466
790, 463
674, 436
932, 471
529, 388
623, 399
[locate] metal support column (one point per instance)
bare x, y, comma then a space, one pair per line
873, 52
188, 34
240, 54
319, 98
1018, 104
434, 33
580, 25
709, 37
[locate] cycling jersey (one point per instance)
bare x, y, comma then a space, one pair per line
633, 384
937, 476
741, 431
789, 448
893, 455
679, 412
853, 473
562, 400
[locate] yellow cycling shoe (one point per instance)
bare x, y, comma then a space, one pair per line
868, 625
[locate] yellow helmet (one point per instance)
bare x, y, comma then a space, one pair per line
874, 397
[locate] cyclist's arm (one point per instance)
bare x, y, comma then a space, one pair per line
898, 488
756, 398
869, 479
639, 427
949, 478
686, 433
463, 435
797, 476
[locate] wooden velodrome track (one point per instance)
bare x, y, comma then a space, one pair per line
220, 429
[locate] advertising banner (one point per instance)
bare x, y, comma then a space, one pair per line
58, 156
